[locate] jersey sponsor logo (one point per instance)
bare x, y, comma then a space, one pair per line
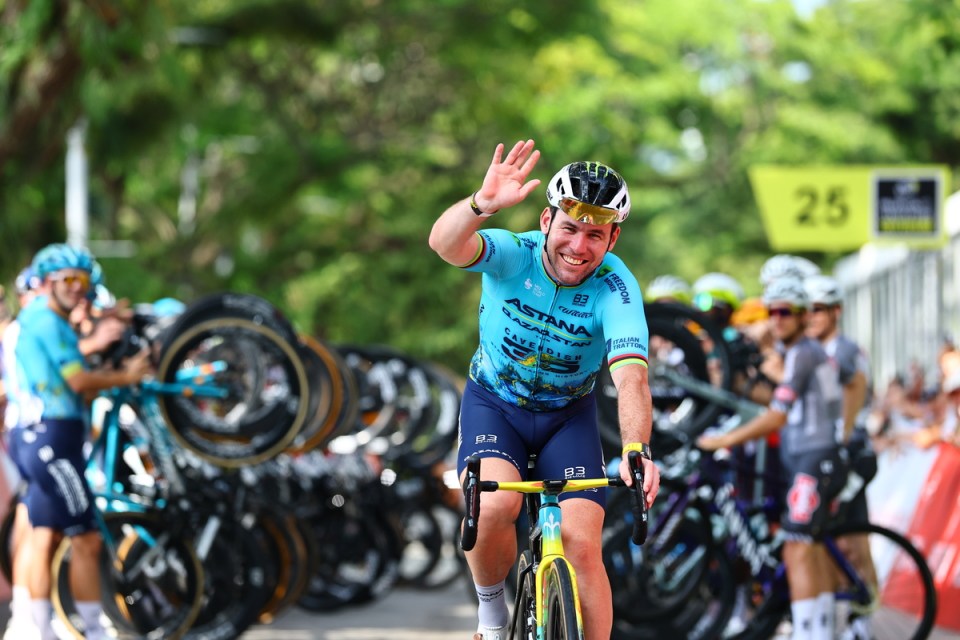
580, 300
575, 313
618, 286
803, 498
522, 351
784, 395
604, 270
486, 438
531, 286
532, 328
546, 318
625, 344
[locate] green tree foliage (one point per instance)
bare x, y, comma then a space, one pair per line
301, 150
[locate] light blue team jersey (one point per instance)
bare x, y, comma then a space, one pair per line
542, 344
47, 352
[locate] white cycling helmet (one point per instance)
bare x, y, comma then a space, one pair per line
784, 265
668, 286
823, 289
787, 289
590, 192
721, 287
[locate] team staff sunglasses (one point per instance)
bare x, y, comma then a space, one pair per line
589, 213
783, 312
83, 279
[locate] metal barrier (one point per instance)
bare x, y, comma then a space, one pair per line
901, 304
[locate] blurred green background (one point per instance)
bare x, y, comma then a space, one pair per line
302, 150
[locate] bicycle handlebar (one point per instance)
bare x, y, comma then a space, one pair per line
473, 487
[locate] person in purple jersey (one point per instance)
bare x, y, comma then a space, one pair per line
554, 304
806, 408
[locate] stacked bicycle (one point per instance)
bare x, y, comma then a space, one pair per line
712, 565
221, 499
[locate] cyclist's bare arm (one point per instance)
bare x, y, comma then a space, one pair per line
84, 381
635, 412
854, 397
453, 236
766, 423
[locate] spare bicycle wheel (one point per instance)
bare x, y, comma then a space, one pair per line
267, 391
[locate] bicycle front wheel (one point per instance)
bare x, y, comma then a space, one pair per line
561, 609
151, 582
901, 601
883, 587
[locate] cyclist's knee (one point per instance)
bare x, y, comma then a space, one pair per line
499, 508
86, 544
583, 552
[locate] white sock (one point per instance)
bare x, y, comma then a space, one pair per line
19, 604
823, 624
90, 614
492, 610
862, 628
40, 611
804, 612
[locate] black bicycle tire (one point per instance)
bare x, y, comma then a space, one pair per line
240, 579
523, 625
64, 605
429, 541
703, 617
640, 595
929, 598
6, 538
560, 602
437, 437
200, 442
776, 605
325, 419
229, 304
283, 531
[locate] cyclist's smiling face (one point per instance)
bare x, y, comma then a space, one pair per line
68, 288
573, 250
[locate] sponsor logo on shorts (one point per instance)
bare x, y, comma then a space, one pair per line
803, 498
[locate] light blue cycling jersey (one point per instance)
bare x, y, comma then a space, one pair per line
542, 344
47, 352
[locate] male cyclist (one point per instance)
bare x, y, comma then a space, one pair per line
806, 408
52, 379
554, 303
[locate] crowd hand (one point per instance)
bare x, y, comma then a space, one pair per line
106, 331
772, 365
138, 366
506, 181
121, 311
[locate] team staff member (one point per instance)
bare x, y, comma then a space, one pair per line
806, 407
554, 303
52, 380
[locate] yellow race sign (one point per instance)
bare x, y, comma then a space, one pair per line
841, 208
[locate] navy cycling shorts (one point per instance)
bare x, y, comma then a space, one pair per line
814, 479
58, 496
566, 441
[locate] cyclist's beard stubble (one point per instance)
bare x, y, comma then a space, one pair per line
551, 257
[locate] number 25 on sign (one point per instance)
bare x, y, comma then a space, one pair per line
813, 208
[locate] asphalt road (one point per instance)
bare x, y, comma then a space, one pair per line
403, 614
